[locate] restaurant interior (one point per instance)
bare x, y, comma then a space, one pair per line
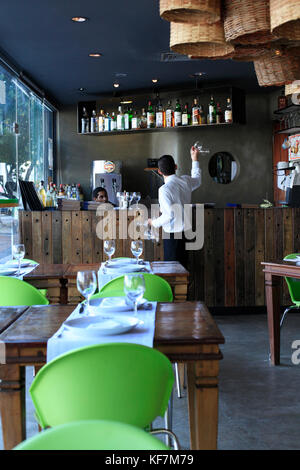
106, 341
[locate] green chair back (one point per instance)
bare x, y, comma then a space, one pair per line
93, 435
157, 288
15, 292
293, 283
122, 382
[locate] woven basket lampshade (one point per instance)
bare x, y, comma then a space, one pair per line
277, 70
200, 40
190, 11
292, 88
247, 21
248, 53
285, 18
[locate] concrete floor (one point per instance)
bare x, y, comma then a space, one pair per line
259, 406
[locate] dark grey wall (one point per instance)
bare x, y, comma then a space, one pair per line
250, 144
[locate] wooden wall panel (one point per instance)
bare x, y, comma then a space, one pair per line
219, 256
87, 240
57, 237
249, 255
47, 256
37, 236
26, 233
239, 257
259, 256
209, 258
76, 237
229, 257
66, 235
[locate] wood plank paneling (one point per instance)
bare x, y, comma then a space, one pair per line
219, 256
26, 233
229, 257
249, 254
239, 257
87, 240
96, 241
37, 253
209, 259
259, 256
47, 237
66, 237
57, 237
76, 255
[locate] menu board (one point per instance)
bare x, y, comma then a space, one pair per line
294, 147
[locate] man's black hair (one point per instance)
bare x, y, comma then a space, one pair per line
167, 165
98, 190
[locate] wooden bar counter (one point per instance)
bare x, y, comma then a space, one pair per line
226, 272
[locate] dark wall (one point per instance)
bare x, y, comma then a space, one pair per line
250, 145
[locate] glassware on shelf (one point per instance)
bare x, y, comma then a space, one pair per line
18, 253
87, 285
109, 247
134, 288
136, 249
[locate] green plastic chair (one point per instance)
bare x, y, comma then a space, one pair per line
123, 382
294, 289
157, 288
93, 435
15, 292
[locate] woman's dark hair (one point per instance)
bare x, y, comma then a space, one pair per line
99, 190
167, 165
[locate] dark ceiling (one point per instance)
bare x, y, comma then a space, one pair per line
54, 51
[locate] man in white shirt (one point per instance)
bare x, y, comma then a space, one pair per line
172, 196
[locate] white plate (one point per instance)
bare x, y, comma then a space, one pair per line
7, 271
101, 325
14, 264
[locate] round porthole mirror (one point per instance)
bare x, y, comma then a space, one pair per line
223, 167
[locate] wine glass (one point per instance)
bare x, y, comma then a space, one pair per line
19, 253
136, 249
109, 247
200, 148
87, 285
134, 288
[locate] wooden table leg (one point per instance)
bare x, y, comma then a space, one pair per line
272, 284
202, 380
12, 404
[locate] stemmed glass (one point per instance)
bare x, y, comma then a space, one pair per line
18, 253
134, 288
87, 285
136, 249
109, 247
200, 148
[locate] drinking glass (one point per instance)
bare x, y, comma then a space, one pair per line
19, 253
136, 249
87, 285
134, 288
109, 248
200, 148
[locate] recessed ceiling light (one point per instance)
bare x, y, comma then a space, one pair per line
154, 80
95, 54
116, 85
81, 89
79, 19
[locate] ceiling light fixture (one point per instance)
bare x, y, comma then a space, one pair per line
116, 85
81, 89
126, 102
154, 80
79, 19
95, 54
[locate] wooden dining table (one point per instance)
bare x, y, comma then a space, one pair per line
60, 279
274, 272
185, 332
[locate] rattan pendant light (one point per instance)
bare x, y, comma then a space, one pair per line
292, 88
190, 11
285, 18
248, 53
200, 40
272, 70
247, 21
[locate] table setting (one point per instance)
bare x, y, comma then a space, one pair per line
17, 267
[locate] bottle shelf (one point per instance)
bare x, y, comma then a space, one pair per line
156, 129
290, 130
289, 109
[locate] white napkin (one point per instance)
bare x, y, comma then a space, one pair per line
23, 271
106, 274
64, 340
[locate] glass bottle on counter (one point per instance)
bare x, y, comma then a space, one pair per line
185, 118
84, 122
143, 120
150, 116
42, 193
177, 114
228, 111
219, 114
107, 122
113, 122
195, 113
159, 117
212, 111
120, 120
135, 122
94, 122
126, 120
169, 115
101, 118
202, 115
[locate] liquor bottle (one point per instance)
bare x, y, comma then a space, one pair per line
120, 120
169, 115
107, 122
113, 122
159, 117
130, 117
195, 113
143, 121
94, 124
228, 111
126, 120
177, 114
101, 118
202, 115
80, 192
150, 116
219, 114
84, 121
61, 192
135, 122
185, 116
48, 197
212, 111
42, 193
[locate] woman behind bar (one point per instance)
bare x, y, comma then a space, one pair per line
100, 195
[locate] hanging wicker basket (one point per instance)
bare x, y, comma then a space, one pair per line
277, 70
247, 21
292, 88
190, 11
249, 53
285, 18
200, 40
